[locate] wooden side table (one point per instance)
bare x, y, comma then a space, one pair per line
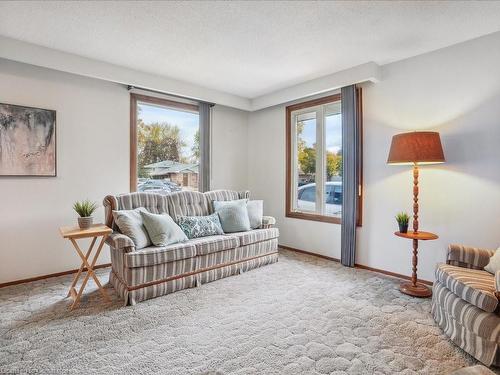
74, 233
413, 288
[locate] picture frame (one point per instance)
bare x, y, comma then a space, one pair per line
28, 141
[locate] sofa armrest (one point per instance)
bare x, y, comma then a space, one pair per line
121, 242
268, 222
468, 257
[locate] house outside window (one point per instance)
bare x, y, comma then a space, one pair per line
165, 147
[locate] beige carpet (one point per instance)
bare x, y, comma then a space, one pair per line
302, 315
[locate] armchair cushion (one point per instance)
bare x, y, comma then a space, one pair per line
468, 257
474, 286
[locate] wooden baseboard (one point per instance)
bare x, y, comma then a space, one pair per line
384, 272
36, 278
309, 253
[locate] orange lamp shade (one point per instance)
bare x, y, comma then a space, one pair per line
416, 147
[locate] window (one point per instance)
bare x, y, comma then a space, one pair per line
314, 160
165, 145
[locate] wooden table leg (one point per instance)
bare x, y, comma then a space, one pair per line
77, 276
90, 270
96, 279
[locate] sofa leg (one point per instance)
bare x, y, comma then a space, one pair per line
198, 282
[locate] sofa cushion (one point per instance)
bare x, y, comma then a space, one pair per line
257, 235
159, 254
474, 286
213, 244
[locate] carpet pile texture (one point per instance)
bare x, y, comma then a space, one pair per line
302, 315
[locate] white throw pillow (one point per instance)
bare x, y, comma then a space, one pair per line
255, 213
494, 264
130, 224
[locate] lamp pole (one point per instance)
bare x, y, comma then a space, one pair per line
415, 197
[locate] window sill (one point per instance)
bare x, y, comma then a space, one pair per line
314, 217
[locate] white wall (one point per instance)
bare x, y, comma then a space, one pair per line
455, 91
229, 148
92, 161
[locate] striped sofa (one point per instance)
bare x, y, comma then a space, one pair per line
465, 302
138, 275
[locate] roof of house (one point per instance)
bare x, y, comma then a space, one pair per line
170, 166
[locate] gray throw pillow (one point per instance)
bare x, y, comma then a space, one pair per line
200, 226
233, 215
130, 224
255, 213
494, 264
162, 229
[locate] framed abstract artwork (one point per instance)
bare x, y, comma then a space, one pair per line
27, 141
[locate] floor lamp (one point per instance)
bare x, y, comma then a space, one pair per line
416, 148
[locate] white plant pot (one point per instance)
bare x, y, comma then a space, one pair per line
85, 222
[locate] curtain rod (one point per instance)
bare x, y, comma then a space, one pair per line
130, 87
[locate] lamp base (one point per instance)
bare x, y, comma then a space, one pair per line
417, 290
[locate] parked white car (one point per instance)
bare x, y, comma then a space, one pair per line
306, 195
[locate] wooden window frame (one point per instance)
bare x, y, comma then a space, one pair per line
134, 99
289, 163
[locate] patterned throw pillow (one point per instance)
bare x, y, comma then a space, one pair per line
233, 215
200, 226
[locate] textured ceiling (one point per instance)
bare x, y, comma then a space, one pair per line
247, 48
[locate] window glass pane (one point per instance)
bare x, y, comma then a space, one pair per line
333, 149
306, 161
168, 149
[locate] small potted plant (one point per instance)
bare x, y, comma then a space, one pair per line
402, 218
85, 209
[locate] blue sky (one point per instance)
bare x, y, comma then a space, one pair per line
187, 122
333, 132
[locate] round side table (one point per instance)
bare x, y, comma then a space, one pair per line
413, 288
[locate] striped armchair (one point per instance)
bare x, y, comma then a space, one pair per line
465, 302
141, 274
